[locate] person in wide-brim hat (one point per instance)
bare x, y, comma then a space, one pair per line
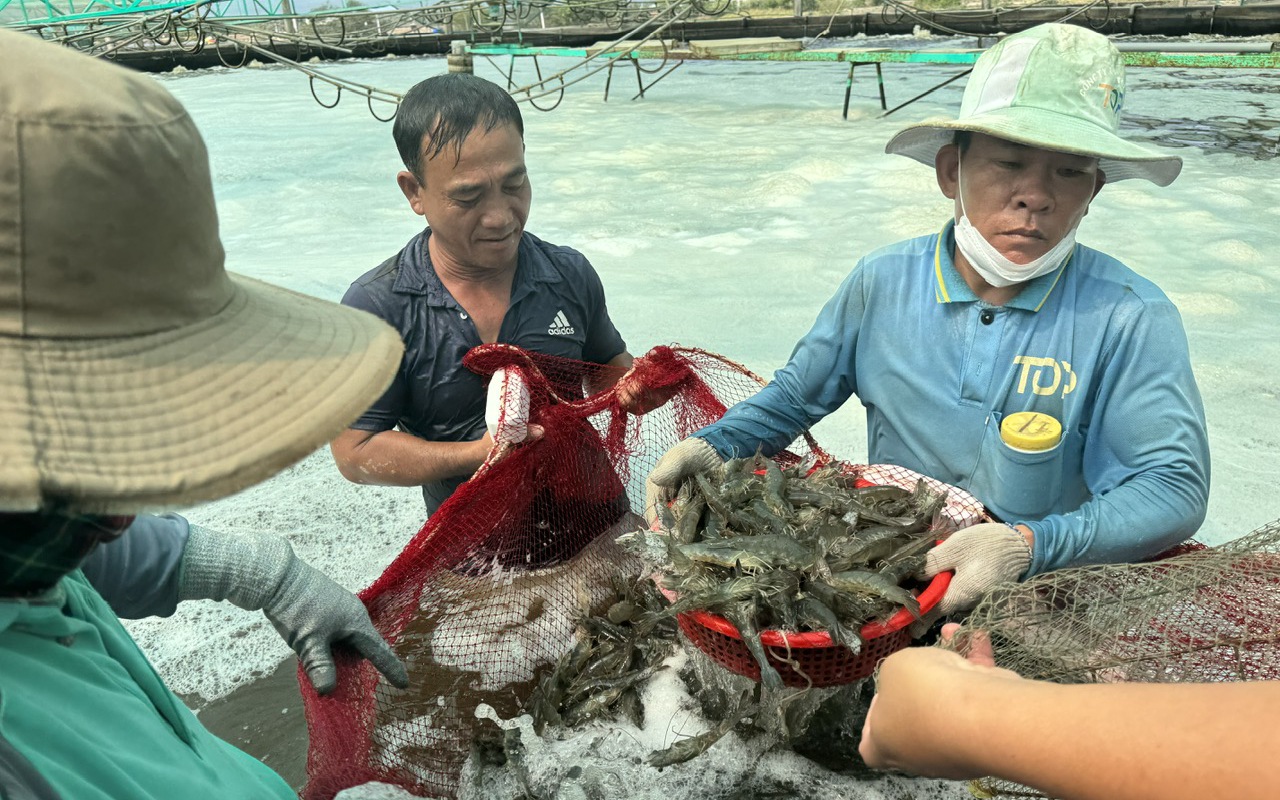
998, 355
137, 374
135, 371
1055, 87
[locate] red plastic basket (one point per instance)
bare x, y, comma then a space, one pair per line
809, 658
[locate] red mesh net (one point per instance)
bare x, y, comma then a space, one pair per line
488, 593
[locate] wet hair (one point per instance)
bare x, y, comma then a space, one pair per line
446, 109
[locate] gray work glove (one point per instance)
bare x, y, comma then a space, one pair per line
312, 612
688, 457
983, 557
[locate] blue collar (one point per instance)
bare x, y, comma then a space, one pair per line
950, 287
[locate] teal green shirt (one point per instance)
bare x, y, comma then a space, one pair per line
87, 711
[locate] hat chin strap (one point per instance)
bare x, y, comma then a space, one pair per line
993, 266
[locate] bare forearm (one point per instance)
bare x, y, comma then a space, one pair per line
395, 458
1121, 741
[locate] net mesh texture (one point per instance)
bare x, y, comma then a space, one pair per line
487, 595
1198, 615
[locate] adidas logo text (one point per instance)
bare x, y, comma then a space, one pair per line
560, 325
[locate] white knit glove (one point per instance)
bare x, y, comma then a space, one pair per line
257, 571
688, 457
506, 411
983, 557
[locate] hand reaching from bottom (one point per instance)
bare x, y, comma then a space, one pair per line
917, 718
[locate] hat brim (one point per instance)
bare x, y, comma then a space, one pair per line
189, 414
1118, 158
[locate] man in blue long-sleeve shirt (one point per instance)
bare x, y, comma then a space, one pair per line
944, 338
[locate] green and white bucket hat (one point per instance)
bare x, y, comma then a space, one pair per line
1057, 87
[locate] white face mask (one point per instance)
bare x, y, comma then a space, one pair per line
994, 267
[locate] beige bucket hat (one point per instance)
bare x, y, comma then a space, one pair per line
1055, 86
135, 372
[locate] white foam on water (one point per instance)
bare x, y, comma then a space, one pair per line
821, 169
780, 190
1202, 303
1234, 251
730, 242
617, 246
1137, 195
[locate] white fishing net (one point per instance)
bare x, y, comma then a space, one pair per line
1203, 615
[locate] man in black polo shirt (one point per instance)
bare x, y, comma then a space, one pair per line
473, 276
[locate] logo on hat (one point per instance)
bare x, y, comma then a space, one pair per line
1112, 98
